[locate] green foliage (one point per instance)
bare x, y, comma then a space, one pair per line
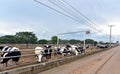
42, 41
54, 40
7, 39
26, 37
30, 38
101, 42
89, 41
73, 41
63, 41
95, 43
20, 37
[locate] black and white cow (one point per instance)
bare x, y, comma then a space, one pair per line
10, 53
40, 52
73, 49
102, 46
81, 50
48, 51
61, 51
66, 50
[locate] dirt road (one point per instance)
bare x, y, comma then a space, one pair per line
106, 62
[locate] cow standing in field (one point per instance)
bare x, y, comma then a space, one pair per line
73, 49
61, 51
68, 49
40, 52
81, 50
48, 51
102, 46
9, 53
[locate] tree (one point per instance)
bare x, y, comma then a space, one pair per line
89, 41
73, 41
54, 40
63, 41
26, 37
42, 41
95, 43
101, 42
7, 39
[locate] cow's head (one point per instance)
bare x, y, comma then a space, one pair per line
4, 58
47, 46
1, 47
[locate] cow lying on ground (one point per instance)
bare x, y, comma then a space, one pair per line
9, 53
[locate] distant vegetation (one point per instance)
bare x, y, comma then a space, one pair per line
30, 38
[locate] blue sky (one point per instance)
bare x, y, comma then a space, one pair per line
27, 15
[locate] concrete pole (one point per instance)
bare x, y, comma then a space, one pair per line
110, 33
84, 42
57, 41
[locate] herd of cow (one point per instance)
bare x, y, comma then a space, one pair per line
14, 53
66, 50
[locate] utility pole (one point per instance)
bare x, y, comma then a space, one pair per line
84, 45
110, 33
57, 41
87, 32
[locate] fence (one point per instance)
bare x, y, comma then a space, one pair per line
30, 53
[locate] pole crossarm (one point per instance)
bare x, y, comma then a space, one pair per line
73, 32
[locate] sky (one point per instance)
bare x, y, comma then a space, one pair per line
28, 15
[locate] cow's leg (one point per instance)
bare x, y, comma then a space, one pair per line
50, 56
76, 53
47, 56
63, 54
6, 64
16, 63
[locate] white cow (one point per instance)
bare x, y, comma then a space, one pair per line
73, 50
61, 50
68, 49
39, 52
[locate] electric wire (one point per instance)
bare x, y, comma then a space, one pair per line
69, 16
58, 5
81, 14
95, 26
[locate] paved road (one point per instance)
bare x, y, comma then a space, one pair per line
107, 62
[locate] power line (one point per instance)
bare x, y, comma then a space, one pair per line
85, 18
56, 10
63, 8
72, 14
73, 18
80, 13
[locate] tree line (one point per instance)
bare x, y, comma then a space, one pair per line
31, 38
